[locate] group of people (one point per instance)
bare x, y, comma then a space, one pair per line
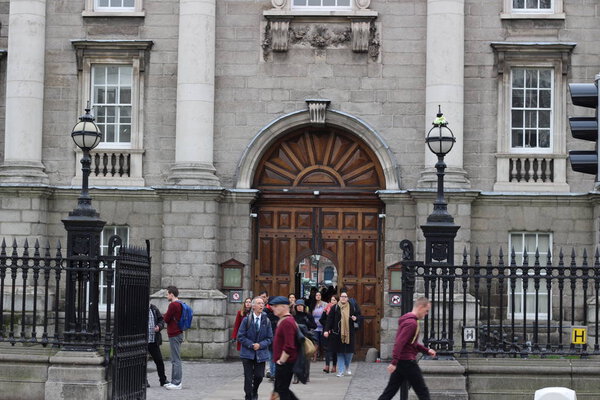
265, 330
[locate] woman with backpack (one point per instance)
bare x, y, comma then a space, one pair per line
341, 327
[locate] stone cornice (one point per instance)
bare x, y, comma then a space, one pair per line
26, 190
130, 48
190, 192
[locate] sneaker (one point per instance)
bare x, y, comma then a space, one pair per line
348, 372
339, 374
268, 374
170, 386
165, 383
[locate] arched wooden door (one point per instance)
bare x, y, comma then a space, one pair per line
317, 196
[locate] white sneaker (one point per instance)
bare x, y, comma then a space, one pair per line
339, 374
348, 372
170, 386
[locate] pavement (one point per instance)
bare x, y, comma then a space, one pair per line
224, 380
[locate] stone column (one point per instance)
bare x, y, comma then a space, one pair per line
25, 93
445, 85
195, 95
76, 374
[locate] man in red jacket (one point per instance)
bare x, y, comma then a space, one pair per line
285, 351
172, 317
404, 364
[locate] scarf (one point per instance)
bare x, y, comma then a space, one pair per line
345, 322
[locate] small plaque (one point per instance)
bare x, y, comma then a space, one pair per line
235, 296
469, 334
579, 335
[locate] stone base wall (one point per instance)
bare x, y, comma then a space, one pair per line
23, 372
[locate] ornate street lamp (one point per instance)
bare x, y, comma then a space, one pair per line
84, 227
86, 136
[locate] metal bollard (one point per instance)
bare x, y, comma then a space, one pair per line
555, 393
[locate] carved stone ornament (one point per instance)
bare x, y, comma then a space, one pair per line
363, 4
317, 109
280, 34
361, 32
319, 36
279, 4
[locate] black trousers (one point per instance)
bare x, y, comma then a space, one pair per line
253, 376
154, 350
283, 378
406, 370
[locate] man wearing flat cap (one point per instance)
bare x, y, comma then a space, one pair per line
285, 351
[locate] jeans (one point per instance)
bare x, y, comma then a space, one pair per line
154, 350
176, 373
343, 362
283, 378
319, 342
253, 376
406, 370
272, 365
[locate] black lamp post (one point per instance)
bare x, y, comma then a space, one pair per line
84, 227
440, 230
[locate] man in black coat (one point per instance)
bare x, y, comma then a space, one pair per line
155, 325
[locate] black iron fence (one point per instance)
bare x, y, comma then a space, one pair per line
33, 286
498, 307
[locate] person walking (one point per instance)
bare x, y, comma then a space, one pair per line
285, 350
303, 318
330, 353
274, 319
156, 323
239, 316
404, 365
317, 313
255, 336
340, 324
172, 317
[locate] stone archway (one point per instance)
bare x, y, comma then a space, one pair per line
318, 195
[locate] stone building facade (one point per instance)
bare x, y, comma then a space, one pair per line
218, 116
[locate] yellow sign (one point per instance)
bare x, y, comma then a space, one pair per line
579, 335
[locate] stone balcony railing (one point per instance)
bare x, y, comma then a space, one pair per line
531, 173
112, 167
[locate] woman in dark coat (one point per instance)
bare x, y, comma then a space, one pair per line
340, 325
303, 318
330, 353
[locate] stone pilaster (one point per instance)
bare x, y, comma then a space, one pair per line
25, 93
445, 85
195, 95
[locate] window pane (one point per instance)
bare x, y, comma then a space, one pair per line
518, 3
124, 134
112, 74
111, 116
102, 3
329, 3
126, 75
516, 241
517, 80
545, 78
544, 138
531, 98
546, 4
125, 96
99, 74
530, 138
532, 3
530, 119
545, 98
299, 2
518, 98
115, 3
530, 243
314, 2
109, 133
111, 95
129, 3
544, 121
344, 3
517, 138
517, 118
99, 95
531, 78
543, 242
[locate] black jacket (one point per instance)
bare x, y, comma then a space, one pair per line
158, 321
333, 323
305, 319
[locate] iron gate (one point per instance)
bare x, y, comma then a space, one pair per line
129, 343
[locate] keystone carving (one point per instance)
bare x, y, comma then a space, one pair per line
279, 4
317, 109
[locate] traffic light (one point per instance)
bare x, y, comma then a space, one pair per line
585, 128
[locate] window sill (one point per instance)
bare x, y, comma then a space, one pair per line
557, 16
319, 13
113, 14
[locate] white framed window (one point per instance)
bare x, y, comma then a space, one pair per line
112, 78
108, 231
533, 9
531, 109
114, 5
112, 90
531, 120
113, 8
525, 302
321, 4
544, 6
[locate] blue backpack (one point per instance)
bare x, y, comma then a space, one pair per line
185, 322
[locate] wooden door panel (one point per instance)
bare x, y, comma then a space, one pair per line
351, 259
266, 256
369, 264
283, 257
285, 220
